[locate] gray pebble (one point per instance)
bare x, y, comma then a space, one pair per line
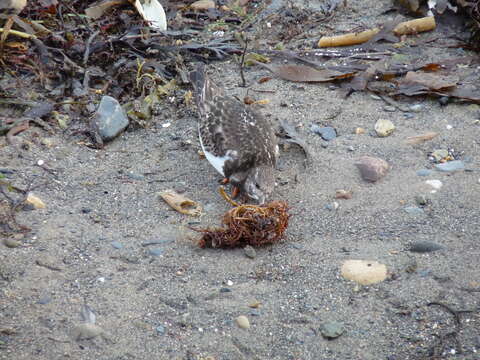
332, 329
250, 252
110, 118
451, 166
389, 108
408, 115
155, 252
44, 300
160, 329
416, 107
225, 290
116, 244
135, 176
414, 210
326, 132
375, 97
350, 148
424, 172
425, 246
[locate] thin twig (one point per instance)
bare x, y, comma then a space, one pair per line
87, 46
242, 62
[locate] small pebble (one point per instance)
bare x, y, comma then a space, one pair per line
384, 127
229, 282
424, 246
449, 127
444, 100
155, 252
135, 176
160, 329
414, 210
436, 184
372, 169
416, 107
44, 300
116, 244
243, 322
250, 252
326, 132
350, 148
375, 97
408, 115
11, 243
389, 108
332, 329
424, 172
450, 166
225, 290
110, 118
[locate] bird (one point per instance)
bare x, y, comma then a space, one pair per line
237, 141
12, 7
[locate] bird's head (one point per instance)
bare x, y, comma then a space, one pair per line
259, 183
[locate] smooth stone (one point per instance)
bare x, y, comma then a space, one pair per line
424, 172
225, 290
436, 184
416, 107
444, 100
425, 246
11, 243
160, 329
155, 252
384, 127
375, 97
135, 176
44, 300
414, 210
439, 154
110, 118
389, 108
332, 329
408, 115
250, 252
372, 169
243, 322
421, 199
326, 132
116, 244
450, 166
350, 148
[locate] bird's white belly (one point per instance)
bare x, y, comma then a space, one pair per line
216, 161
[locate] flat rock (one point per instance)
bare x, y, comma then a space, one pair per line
451, 166
110, 118
332, 329
425, 246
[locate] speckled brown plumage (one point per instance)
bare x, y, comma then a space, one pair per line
238, 141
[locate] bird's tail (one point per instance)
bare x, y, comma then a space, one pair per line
204, 89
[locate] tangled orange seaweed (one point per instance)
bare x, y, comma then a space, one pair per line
254, 225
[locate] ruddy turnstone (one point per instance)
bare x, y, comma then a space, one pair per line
12, 7
238, 142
